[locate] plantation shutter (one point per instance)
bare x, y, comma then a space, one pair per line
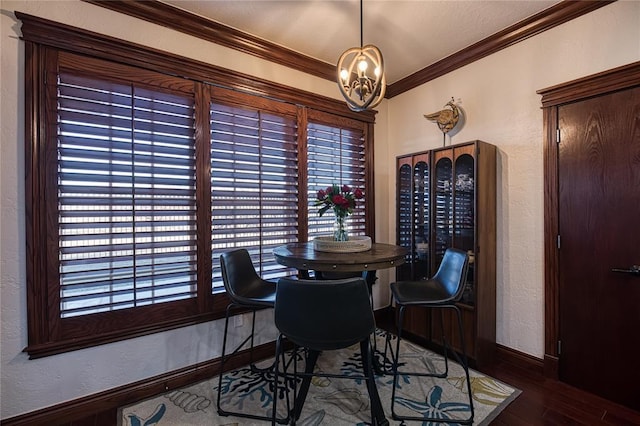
126, 195
335, 154
123, 229
254, 184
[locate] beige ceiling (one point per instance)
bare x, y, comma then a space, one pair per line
412, 34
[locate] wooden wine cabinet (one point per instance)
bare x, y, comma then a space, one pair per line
446, 197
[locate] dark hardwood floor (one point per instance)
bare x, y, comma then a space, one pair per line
550, 402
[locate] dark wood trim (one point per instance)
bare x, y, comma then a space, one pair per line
34, 94
303, 173
519, 359
203, 189
128, 394
619, 78
65, 37
551, 231
551, 367
370, 201
186, 22
536, 24
54, 347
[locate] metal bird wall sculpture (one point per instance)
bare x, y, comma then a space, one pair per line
447, 118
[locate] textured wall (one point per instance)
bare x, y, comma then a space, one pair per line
28, 385
498, 95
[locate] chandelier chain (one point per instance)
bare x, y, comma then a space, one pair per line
361, 26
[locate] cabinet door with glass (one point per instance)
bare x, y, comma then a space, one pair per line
455, 207
404, 215
414, 228
413, 213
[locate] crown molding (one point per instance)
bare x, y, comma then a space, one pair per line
555, 15
180, 20
81, 41
186, 22
620, 78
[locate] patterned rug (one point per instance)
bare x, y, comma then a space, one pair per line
331, 401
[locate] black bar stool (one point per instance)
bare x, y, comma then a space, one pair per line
246, 290
440, 292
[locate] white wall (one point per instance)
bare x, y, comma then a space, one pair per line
28, 385
498, 95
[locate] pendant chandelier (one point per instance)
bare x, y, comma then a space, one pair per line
361, 77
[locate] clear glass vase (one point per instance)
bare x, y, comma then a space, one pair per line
339, 230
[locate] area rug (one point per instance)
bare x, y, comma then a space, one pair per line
332, 401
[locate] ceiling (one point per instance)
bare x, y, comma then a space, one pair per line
412, 34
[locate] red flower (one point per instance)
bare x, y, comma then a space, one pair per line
339, 200
342, 199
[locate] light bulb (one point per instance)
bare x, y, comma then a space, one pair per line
377, 72
344, 75
362, 65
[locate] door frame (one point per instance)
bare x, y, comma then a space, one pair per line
620, 78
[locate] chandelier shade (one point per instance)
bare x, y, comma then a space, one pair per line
361, 76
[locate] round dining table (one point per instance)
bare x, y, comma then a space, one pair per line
304, 257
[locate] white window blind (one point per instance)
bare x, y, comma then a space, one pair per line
126, 196
335, 155
254, 185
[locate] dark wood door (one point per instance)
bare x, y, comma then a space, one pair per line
599, 224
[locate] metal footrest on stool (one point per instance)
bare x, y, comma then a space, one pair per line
438, 375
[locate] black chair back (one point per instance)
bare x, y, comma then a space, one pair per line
452, 273
241, 281
324, 315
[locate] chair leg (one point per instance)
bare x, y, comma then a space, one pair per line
276, 379
253, 331
223, 360
389, 347
462, 362
377, 413
275, 382
252, 366
445, 345
310, 364
396, 361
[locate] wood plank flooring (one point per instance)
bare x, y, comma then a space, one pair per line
550, 402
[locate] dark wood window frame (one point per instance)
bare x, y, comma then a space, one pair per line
45, 41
